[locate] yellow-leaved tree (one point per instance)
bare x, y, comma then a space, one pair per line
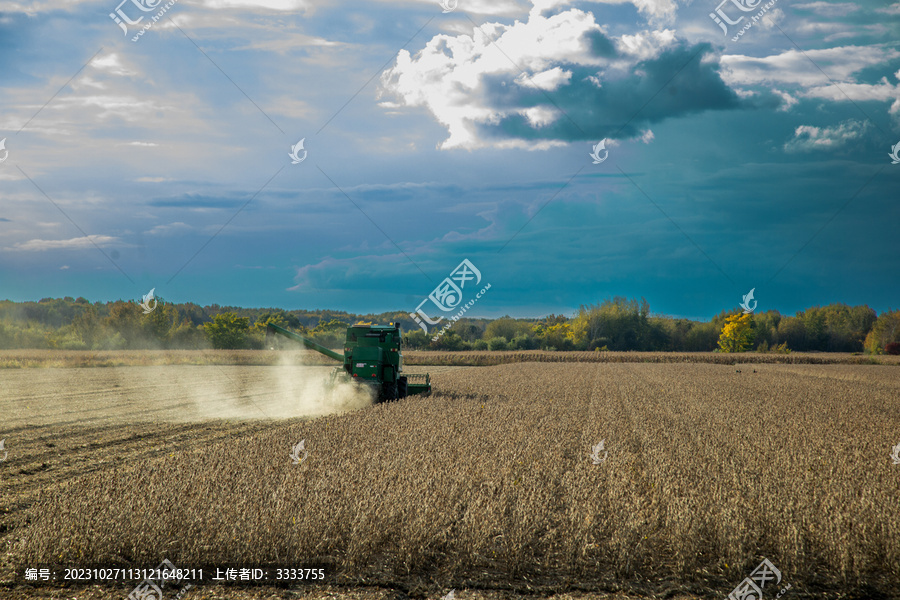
737, 334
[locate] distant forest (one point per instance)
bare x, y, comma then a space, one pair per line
613, 324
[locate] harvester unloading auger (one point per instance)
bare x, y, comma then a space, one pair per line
371, 357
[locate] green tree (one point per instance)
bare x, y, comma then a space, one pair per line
259, 335
846, 327
276, 318
832, 328
158, 324
330, 334
885, 331
506, 327
416, 339
187, 335
497, 343
766, 326
228, 331
617, 323
468, 330
737, 334
553, 334
88, 326
330, 327
450, 341
522, 342
124, 326
701, 337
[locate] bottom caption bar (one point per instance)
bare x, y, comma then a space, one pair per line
167, 575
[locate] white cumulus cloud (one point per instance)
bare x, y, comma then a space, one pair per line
447, 76
545, 74
808, 138
78, 243
829, 9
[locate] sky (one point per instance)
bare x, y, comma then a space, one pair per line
351, 155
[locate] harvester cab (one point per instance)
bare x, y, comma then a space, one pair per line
372, 357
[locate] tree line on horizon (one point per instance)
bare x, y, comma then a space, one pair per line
616, 324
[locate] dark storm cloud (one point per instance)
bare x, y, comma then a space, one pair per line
674, 84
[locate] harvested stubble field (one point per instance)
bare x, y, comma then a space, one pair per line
486, 486
486, 358
23, 359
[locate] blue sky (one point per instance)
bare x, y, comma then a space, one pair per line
432, 137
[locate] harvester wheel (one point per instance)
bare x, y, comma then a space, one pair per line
402, 387
389, 391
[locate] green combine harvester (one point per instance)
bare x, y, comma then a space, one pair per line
371, 357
